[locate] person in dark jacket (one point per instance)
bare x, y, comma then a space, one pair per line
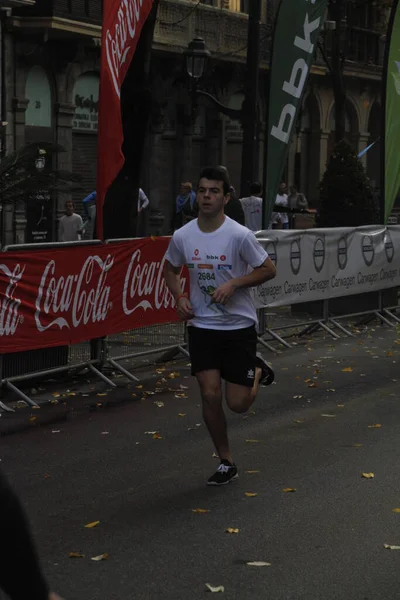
233, 208
20, 574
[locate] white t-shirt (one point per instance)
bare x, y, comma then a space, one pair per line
212, 259
252, 208
281, 200
70, 227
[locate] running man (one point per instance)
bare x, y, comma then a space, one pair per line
225, 261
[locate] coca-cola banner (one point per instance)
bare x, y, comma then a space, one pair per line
122, 23
64, 295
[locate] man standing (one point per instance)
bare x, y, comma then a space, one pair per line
71, 224
185, 206
281, 219
220, 312
296, 201
252, 208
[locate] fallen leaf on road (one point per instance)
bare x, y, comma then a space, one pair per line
181, 414
101, 394
184, 387
298, 420
288, 490
313, 385
160, 370
56, 431
396, 510
180, 395
232, 530
331, 390
139, 387
347, 370
91, 525
218, 588
105, 432
76, 555
367, 475
173, 375
328, 415
390, 547
56, 395
357, 445
254, 471
150, 432
298, 397
307, 380
157, 436
214, 455
134, 395
340, 405
376, 426
100, 557
159, 403
258, 563
390, 353
252, 441
250, 494
200, 511
32, 419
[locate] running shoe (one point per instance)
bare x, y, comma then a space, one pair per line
225, 473
267, 373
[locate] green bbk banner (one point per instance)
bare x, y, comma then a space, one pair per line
297, 28
391, 122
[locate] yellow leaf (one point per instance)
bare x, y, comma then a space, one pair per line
218, 588
76, 555
232, 530
254, 471
173, 375
298, 420
376, 426
313, 385
56, 395
340, 405
347, 370
258, 563
91, 525
396, 510
289, 490
250, 494
160, 370
307, 380
200, 511
180, 395
328, 415
157, 436
357, 445
139, 387
390, 547
100, 557
252, 441
32, 419
181, 414
101, 394
367, 475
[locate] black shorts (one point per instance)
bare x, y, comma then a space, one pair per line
232, 352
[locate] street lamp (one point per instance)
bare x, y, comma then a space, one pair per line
196, 57
40, 163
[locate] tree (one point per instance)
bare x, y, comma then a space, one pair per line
346, 199
20, 177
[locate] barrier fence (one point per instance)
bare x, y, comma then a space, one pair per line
86, 305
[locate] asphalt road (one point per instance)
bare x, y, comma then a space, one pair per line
325, 541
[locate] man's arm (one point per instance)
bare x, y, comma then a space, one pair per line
302, 202
172, 277
259, 275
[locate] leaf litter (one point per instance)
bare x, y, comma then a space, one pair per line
215, 589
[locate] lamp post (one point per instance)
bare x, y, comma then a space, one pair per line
196, 57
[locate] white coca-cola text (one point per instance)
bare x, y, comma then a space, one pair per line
77, 298
145, 287
9, 308
119, 37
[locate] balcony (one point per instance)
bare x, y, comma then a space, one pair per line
224, 31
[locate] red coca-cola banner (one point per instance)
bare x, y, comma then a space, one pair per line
122, 23
64, 295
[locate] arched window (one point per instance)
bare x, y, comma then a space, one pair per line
38, 92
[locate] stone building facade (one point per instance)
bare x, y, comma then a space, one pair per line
50, 83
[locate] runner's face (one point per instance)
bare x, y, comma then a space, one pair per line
210, 197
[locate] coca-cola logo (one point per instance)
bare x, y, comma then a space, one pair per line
145, 287
9, 308
77, 298
119, 36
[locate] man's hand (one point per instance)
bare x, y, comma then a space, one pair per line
53, 596
224, 292
184, 309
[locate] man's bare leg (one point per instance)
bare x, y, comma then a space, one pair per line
213, 412
239, 398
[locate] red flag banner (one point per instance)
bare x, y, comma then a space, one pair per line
63, 296
123, 21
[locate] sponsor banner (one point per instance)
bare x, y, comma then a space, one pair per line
391, 122
123, 21
317, 264
63, 296
297, 28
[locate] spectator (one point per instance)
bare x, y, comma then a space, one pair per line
233, 208
143, 203
185, 206
252, 207
89, 206
297, 201
71, 224
280, 220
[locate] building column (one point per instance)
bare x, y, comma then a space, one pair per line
323, 153
363, 141
153, 192
64, 116
18, 234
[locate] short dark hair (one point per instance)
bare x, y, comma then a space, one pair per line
217, 174
255, 188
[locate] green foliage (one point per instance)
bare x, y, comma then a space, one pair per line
20, 179
346, 199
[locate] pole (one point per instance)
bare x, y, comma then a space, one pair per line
250, 116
